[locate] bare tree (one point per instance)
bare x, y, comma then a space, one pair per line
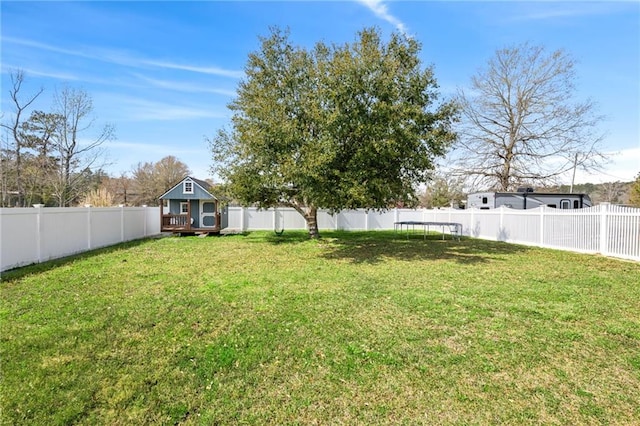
14, 127
520, 123
613, 192
77, 155
120, 187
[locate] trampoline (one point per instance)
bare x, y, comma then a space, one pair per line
455, 229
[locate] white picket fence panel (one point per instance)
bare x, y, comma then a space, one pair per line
606, 229
33, 235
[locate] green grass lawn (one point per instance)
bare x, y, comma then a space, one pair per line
356, 328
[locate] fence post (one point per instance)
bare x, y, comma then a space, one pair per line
39, 232
242, 214
88, 207
604, 231
144, 206
122, 223
275, 212
472, 223
542, 207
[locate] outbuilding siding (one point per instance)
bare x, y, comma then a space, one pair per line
177, 193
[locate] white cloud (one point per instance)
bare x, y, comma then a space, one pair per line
380, 9
44, 46
129, 108
185, 87
148, 148
124, 58
146, 110
197, 69
548, 10
42, 73
624, 166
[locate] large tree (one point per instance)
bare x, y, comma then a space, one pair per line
521, 123
336, 127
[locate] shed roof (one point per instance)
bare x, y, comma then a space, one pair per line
204, 186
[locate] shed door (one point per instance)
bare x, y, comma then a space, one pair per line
207, 214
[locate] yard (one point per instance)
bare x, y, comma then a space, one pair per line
356, 328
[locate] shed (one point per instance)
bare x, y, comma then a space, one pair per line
191, 207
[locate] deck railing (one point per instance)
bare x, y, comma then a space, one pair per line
181, 222
175, 221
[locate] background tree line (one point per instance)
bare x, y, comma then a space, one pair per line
50, 157
141, 186
57, 157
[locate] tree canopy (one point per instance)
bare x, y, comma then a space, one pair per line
151, 180
521, 123
634, 192
335, 127
443, 191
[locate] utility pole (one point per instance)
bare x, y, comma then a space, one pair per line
573, 178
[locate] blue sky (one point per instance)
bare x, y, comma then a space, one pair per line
164, 72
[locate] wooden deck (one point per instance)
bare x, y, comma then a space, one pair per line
180, 223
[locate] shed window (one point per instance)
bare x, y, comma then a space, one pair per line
484, 200
187, 187
576, 204
565, 204
184, 207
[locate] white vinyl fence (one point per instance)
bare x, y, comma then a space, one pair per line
32, 235
606, 229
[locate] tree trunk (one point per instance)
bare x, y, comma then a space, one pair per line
311, 216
